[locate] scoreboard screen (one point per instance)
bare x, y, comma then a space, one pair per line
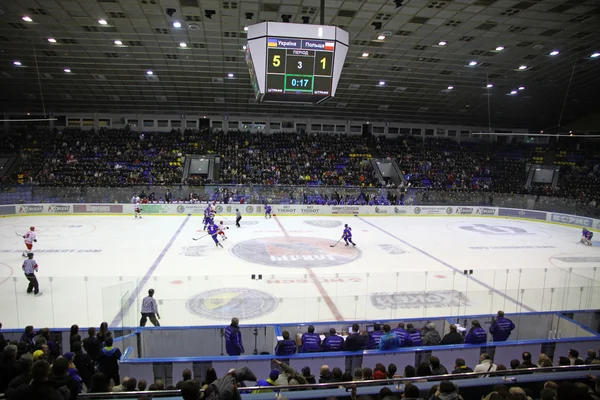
299, 67
295, 62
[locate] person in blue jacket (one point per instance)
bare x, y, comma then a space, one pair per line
402, 334
333, 342
233, 338
476, 334
311, 341
389, 341
414, 336
375, 337
501, 328
286, 346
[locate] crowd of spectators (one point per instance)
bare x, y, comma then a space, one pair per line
119, 158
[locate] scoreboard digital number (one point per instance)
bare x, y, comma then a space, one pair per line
299, 67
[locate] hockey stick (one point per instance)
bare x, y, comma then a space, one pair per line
222, 216
201, 237
333, 245
18, 234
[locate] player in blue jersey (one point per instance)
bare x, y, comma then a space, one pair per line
347, 235
209, 216
212, 231
586, 237
267, 211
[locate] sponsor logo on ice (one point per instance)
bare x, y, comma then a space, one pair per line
295, 252
226, 303
193, 251
324, 224
433, 299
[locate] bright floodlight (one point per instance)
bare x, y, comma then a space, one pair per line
554, 53
450, 87
513, 92
182, 44
595, 55
489, 85
176, 24
381, 37
381, 83
521, 87
149, 72
118, 42
67, 70
522, 67
51, 40
442, 43
17, 63
27, 19
102, 22
473, 63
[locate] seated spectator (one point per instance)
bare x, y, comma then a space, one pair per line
501, 367
375, 336
460, 367
142, 385
333, 342
391, 370
514, 364
131, 385
379, 372
476, 334
356, 340
286, 346
270, 381
209, 377
311, 341
414, 336
226, 386
431, 337
485, 365
8, 366
336, 375
186, 375
573, 356
411, 392
310, 378
544, 361
60, 377
548, 394
563, 361
324, 374
423, 370
436, 367
358, 374
518, 393
526, 361
402, 334
190, 390
591, 356
501, 328
447, 391
367, 374
39, 388
453, 337
25, 363
100, 383
121, 386
389, 340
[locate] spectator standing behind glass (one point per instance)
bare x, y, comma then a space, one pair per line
356, 340
311, 341
333, 342
453, 337
476, 334
501, 328
389, 341
286, 346
233, 338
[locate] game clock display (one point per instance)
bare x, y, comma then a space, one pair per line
299, 67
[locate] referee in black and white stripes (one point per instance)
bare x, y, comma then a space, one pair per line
150, 309
30, 267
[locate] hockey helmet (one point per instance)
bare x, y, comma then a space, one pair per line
32, 228
345, 225
220, 222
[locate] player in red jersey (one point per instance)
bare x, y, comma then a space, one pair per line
30, 238
221, 230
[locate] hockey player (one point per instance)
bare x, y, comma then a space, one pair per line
208, 216
238, 217
267, 211
136, 206
586, 237
221, 230
212, 231
347, 235
29, 240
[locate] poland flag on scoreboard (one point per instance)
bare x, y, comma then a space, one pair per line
329, 46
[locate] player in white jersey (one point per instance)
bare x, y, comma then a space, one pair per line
136, 206
221, 230
30, 238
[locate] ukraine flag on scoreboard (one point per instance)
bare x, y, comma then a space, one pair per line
272, 42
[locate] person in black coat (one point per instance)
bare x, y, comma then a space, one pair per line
25, 363
356, 341
61, 379
453, 337
8, 366
39, 388
84, 364
91, 344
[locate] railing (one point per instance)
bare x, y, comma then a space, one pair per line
24, 194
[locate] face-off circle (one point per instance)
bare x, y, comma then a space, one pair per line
227, 303
295, 252
6, 272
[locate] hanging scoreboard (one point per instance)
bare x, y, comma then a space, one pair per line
295, 62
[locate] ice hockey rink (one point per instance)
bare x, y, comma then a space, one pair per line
98, 268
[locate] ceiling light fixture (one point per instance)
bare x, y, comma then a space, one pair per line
499, 48
17, 63
365, 54
102, 22
521, 87
450, 87
149, 72
489, 85
473, 63
67, 70
381, 37
176, 24
522, 67
442, 43
513, 92
52, 40
244, 47
554, 53
182, 44
27, 19
230, 75
595, 55
246, 28
381, 83
118, 42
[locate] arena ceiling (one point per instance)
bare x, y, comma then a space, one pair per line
416, 67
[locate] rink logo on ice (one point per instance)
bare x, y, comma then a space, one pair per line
486, 229
573, 220
295, 252
226, 303
433, 299
193, 251
464, 210
392, 249
324, 224
59, 208
30, 209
